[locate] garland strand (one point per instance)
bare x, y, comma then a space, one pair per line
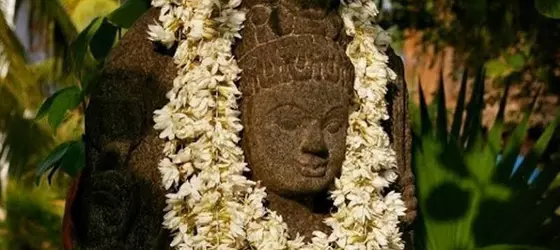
210, 203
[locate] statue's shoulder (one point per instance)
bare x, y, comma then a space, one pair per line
135, 51
133, 83
401, 134
136, 64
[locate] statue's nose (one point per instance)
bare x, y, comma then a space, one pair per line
113, 155
313, 141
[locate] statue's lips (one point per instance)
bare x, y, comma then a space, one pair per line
317, 170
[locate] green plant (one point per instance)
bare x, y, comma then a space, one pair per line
468, 198
549, 8
86, 58
34, 219
24, 84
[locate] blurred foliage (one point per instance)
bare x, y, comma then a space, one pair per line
87, 10
63, 78
87, 55
470, 195
34, 219
28, 83
510, 36
33, 215
549, 8
21, 92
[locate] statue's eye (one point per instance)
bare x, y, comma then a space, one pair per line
333, 126
288, 123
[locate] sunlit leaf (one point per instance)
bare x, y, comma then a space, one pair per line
437, 188
87, 10
45, 107
57, 105
493, 211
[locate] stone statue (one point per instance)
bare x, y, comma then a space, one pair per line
296, 85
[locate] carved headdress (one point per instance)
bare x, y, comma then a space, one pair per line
285, 41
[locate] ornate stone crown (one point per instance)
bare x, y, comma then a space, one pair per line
276, 41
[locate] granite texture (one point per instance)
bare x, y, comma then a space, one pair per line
296, 84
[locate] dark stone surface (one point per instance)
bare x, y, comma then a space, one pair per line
297, 85
120, 201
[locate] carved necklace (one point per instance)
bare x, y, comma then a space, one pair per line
210, 203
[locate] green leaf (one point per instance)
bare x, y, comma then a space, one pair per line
513, 145
545, 178
45, 107
424, 114
86, 10
458, 115
52, 172
495, 134
127, 14
79, 48
67, 99
74, 159
548, 8
516, 61
475, 107
441, 110
480, 159
521, 177
503, 102
437, 185
511, 151
103, 40
53, 158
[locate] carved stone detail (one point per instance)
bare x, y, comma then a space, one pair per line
296, 84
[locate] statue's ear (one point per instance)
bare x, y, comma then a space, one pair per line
401, 135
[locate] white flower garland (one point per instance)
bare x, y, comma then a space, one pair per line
210, 203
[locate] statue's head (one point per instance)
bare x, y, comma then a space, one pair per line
296, 88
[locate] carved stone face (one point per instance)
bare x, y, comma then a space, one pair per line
295, 135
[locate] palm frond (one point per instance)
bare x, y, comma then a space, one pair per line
469, 194
21, 92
